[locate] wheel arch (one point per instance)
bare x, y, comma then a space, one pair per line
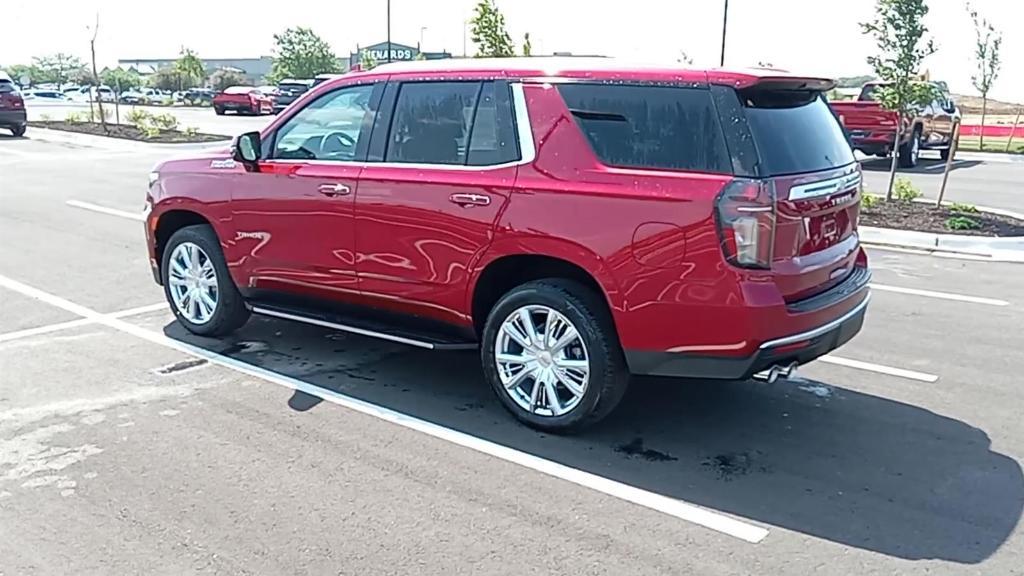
169, 222
501, 270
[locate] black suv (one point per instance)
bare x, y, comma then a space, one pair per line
288, 91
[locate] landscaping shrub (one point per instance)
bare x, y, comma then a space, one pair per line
962, 223
905, 191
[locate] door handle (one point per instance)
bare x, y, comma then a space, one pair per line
466, 200
334, 189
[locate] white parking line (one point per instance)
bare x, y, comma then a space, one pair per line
12, 151
104, 210
654, 501
940, 295
29, 332
879, 368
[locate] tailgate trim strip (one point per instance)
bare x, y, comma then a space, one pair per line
824, 187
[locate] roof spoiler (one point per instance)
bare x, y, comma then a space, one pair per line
792, 83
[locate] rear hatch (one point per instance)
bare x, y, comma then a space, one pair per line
10, 98
234, 98
794, 210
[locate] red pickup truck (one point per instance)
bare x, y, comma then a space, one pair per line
872, 129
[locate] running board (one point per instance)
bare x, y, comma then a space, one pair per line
419, 341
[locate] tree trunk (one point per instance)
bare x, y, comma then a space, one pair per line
1016, 122
99, 95
895, 157
984, 111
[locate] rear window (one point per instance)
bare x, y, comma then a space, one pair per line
6, 87
867, 94
297, 88
661, 127
795, 132
239, 90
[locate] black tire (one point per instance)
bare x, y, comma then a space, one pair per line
609, 375
230, 313
19, 131
218, 110
909, 153
944, 153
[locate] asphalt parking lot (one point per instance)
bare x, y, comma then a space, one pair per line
128, 446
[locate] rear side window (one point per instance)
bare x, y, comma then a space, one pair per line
6, 87
663, 127
431, 122
794, 131
493, 140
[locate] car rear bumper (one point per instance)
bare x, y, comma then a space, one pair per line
848, 299
12, 118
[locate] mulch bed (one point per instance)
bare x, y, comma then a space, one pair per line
128, 132
927, 218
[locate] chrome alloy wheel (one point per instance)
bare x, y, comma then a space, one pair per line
192, 280
542, 361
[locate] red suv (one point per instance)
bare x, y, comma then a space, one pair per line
578, 221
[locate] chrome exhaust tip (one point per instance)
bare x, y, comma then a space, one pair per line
775, 372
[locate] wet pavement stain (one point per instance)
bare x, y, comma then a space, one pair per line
730, 465
470, 406
636, 448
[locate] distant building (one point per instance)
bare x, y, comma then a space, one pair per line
254, 70
399, 53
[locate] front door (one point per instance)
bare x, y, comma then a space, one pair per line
428, 210
294, 220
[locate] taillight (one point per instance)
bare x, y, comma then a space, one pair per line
746, 222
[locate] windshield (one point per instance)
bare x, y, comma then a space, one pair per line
795, 132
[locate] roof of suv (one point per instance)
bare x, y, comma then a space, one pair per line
593, 68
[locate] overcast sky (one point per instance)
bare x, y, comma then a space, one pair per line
812, 36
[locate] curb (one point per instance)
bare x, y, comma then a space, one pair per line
108, 143
1009, 249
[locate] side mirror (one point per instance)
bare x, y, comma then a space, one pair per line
950, 106
246, 149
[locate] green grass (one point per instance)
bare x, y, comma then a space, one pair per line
970, 144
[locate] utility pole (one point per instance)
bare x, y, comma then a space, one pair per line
389, 30
725, 25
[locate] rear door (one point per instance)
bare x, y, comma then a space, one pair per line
447, 160
799, 149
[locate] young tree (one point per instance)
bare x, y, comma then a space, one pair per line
190, 68
527, 45
986, 55
120, 80
899, 33
300, 53
19, 71
488, 31
58, 68
96, 77
167, 79
226, 78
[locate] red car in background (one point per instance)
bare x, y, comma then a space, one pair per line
872, 129
576, 220
243, 100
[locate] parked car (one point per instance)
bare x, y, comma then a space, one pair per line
321, 78
872, 129
96, 94
195, 96
45, 95
12, 106
577, 220
288, 91
243, 99
143, 96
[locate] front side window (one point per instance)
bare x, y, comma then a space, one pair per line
432, 122
329, 128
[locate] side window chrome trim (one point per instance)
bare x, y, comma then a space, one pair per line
527, 149
524, 130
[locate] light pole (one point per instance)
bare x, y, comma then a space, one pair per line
389, 31
422, 30
725, 23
